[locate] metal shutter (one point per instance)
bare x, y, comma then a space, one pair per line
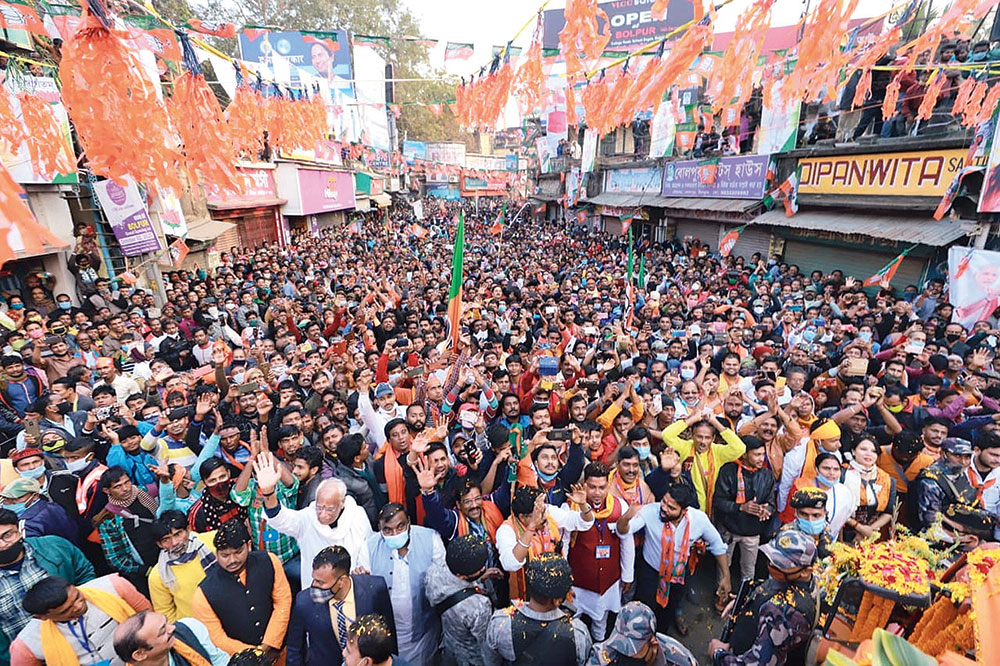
706, 232
753, 239
853, 261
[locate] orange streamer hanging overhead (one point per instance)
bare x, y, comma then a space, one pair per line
245, 118
46, 142
11, 130
820, 58
581, 33
529, 83
729, 77
122, 125
36, 238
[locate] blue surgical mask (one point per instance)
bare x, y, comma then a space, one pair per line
809, 334
397, 541
501, 309
687, 374
33, 473
17, 508
823, 481
811, 527
17, 306
643, 452
65, 305
545, 477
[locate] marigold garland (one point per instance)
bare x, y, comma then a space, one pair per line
873, 614
121, 123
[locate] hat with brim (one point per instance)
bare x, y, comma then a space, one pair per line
790, 549
20, 487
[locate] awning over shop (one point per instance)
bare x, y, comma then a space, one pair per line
362, 203
207, 229
233, 204
382, 200
546, 197
899, 228
631, 200
625, 199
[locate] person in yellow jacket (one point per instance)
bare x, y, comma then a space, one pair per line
708, 456
185, 556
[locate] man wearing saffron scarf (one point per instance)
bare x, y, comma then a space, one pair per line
824, 435
535, 527
602, 560
744, 503
708, 456
390, 460
626, 481
671, 527
74, 625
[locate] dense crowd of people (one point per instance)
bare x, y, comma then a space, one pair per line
300, 459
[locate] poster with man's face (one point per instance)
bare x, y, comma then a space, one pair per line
974, 284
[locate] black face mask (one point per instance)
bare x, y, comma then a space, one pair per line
11, 553
64, 408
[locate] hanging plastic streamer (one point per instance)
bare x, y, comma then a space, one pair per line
639, 95
245, 118
891, 97
581, 34
677, 63
11, 131
975, 102
862, 89
34, 237
44, 137
987, 107
317, 127
962, 95
618, 113
595, 99
820, 57
659, 9
275, 109
121, 123
529, 83
934, 87
462, 103
496, 92
204, 132
729, 76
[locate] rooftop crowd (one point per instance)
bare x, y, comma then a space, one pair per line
292, 462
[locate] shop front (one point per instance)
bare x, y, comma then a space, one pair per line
704, 200
371, 187
316, 196
255, 212
547, 195
859, 210
631, 192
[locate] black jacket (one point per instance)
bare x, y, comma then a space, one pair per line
758, 487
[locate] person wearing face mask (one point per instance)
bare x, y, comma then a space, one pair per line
634, 641
39, 516
56, 416
744, 503
322, 613
824, 436
455, 590
810, 517
78, 491
215, 507
943, 483
775, 623
36, 463
402, 554
26, 559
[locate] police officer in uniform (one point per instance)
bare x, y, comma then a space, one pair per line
810, 518
774, 625
539, 630
944, 482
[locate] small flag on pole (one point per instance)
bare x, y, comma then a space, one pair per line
455, 292
790, 188
888, 271
418, 231
458, 51
728, 241
540, 208
501, 220
642, 271
708, 170
629, 304
626, 221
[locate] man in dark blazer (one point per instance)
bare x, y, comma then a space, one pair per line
322, 613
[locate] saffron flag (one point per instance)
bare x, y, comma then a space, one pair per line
708, 170
455, 292
626, 221
728, 241
458, 51
178, 251
501, 220
540, 208
952, 191
149, 32
790, 190
418, 231
224, 30
20, 15
888, 271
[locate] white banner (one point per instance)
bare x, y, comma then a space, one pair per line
974, 284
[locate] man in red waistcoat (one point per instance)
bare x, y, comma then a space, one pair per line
600, 557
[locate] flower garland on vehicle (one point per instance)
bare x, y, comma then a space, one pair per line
905, 565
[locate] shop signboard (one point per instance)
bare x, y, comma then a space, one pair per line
920, 174
742, 177
257, 190
633, 181
316, 191
631, 22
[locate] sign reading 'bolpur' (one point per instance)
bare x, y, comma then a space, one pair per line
920, 174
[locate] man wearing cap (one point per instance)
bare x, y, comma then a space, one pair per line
944, 483
744, 503
39, 515
809, 505
634, 640
31, 462
774, 625
384, 410
539, 631
123, 385
452, 588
